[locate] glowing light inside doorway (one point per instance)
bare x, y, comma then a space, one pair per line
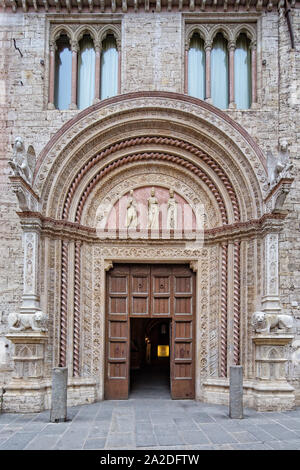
163, 351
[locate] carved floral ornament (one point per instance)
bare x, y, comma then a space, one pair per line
214, 128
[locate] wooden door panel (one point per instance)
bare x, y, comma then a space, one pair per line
182, 365
140, 290
183, 352
117, 334
183, 306
161, 291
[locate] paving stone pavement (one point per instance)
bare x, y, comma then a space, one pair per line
150, 424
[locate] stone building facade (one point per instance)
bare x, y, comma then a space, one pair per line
58, 167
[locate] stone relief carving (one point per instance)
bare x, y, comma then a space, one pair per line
28, 321
22, 163
172, 212
114, 188
269, 323
153, 211
131, 214
294, 364
279, 167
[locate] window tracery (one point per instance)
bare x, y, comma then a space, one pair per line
84, 65
224, 57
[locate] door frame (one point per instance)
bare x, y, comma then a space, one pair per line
193, 266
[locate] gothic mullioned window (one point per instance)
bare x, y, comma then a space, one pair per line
84, 66
219, 72
196, 67
221, 65
242, 73
63, 73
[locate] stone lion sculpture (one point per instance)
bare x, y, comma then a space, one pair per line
27, 321
265, 322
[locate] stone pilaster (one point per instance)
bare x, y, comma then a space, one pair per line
271, 300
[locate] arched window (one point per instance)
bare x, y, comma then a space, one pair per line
63, 73
86, 73
196, 67
109, 68
219, 72
242, 73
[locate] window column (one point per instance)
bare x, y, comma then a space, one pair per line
97, 71
207, 48
253, 73
118, 42
75, 49
186, 66
53, 48
231, 49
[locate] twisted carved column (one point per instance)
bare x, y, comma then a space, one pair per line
64, 304
76, 325
236, 303
223, 366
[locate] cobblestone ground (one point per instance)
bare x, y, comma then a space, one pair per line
151, 424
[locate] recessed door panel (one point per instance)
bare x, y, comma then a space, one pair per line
117, 334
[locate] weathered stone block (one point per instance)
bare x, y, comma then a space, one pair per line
58, 410
236, 392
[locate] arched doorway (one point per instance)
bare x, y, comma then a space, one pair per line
128, 145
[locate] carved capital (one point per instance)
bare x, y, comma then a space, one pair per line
74, 46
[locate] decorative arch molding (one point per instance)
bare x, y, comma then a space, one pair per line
76, 32
61, 29
164, 157
85, 29
206, 124
226, 31
245, 29
193, 29
121, 181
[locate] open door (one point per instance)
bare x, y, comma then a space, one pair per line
118, 335
182, 350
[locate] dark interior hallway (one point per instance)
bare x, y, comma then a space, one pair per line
149, 371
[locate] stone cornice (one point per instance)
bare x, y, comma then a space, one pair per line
67, 230
112, 6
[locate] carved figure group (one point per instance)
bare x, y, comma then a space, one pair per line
153, 211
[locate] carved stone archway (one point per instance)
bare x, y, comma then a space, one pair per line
163, 140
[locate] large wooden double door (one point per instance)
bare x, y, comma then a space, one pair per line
150, 291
